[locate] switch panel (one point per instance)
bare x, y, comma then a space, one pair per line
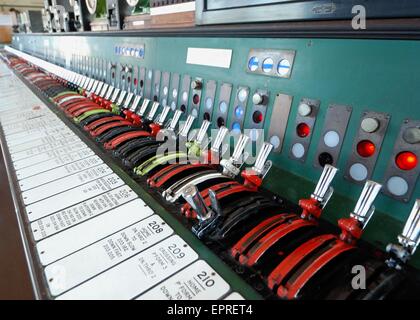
403, 167
174, 92
304, 125
210, 93
156, 85
238, 111
185, 90
196, 87
142, 79
148, 85
332, 136
268, 62
222, 107
135, 82
366, 146
278, 122
164, 88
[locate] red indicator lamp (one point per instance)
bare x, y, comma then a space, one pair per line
406, 160
257, 117
303, 130
366, 148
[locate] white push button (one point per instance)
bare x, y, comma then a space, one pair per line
331, 139
298, 150
412, 135
304, 110
257, 98
358, 172
397, 186
369, 125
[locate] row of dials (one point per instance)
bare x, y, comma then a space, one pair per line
246, 109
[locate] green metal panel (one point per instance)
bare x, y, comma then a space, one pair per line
378, 75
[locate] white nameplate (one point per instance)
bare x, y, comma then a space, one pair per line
81, 212
61, 150
53, 163
196, 282
57, 186
44, 156
71, 197
73, 239
53, 129
102, 255
210, 57
137, 274
61, 134
58, 173
57, 142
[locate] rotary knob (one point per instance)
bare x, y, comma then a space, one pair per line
196, 84
304, 109
369, 125
258, 98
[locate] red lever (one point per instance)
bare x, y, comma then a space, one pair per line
93, 125
98, 131
110, 145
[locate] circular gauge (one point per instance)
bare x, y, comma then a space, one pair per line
253, 64
267, 65
283, 68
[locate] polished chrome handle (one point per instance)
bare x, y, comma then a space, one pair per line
187, 126
163, 115
364, 206
323, 190
239, 148
220, 137
196, 201
410, 237
202, 132
260, 163
153, 111
175, 119
144, 106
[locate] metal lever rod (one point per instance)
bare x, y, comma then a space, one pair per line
323, 190
187, 126
163, 115
153, 111
410, 237
364, 206
220, 137
239, 148
175, 119
202, 132
196, 201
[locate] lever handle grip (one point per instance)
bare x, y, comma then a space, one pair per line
202, 132
187, 126
239, 148
163, 115
220, 137
153, 111
410, 237
324, 183
262, 157
364, 208
196, 201
175, 120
